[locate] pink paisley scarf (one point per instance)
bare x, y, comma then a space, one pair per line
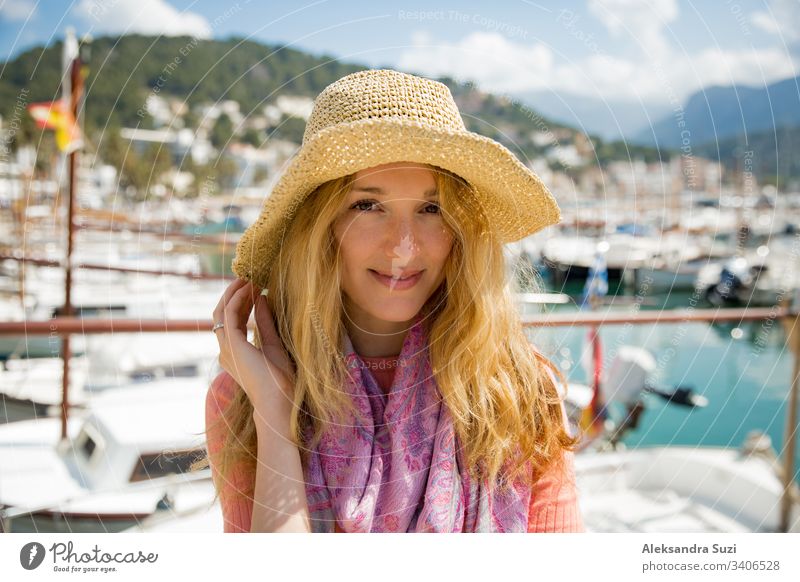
402, 470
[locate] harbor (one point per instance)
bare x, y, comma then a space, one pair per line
740, 360
668, 296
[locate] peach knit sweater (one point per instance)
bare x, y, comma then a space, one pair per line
554, 500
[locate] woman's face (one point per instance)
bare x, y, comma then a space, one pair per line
390, 223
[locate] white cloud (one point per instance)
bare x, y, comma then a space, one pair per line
487, 58
643, 21
142, 16
765, 22
782, 18
744, 67
497, 64
17, 9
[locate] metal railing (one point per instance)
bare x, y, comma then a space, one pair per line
66, 326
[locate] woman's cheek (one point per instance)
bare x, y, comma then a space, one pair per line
438, 241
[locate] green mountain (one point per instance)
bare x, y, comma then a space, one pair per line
124, 70
718, 113
770, 155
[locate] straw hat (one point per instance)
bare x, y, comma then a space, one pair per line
376, 117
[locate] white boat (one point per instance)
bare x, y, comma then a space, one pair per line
101, 293
206, 519
572, 256
120, 295
681, 489
32, 387
671, 488
124, 460
31, 378
677, 266
31, 346
755, 277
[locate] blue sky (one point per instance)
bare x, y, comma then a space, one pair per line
607, 49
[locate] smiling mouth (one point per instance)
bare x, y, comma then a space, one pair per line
397, 284
406, 278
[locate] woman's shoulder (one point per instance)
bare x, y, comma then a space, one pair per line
548, 367
220, 393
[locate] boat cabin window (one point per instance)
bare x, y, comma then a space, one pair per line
154, 465
89, 443
89, 446
150, 374
186, 371
142, 376
91, 310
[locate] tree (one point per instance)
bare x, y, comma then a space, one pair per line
291, 129
228, 172
25, 134
190, 119
253, 137
260, 175
222, 133
159, 159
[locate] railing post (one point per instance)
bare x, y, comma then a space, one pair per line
791, 323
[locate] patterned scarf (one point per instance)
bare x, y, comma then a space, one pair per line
402, 471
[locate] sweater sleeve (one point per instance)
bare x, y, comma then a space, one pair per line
237, 511
554, 504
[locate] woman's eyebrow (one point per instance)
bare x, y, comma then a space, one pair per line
378, 191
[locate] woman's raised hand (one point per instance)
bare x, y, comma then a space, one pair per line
266, 374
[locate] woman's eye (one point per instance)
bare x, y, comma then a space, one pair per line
366, 205
361, 203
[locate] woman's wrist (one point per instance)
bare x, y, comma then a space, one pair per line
272, 424
272, 405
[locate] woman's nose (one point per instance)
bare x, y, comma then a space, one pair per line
401, 241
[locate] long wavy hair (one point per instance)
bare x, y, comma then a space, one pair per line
505, 407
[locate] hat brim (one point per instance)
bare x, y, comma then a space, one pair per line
515, 200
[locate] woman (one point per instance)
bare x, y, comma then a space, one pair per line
391, 386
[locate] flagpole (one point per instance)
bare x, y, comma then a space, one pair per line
594, 289
75, 87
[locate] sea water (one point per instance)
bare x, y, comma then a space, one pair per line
743, 369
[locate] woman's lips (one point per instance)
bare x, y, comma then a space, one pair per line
396, 284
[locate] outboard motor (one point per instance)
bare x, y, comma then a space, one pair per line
627, 377
735, 276
626, 381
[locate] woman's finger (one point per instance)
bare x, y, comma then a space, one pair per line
232, 289
240, 305
264, 320
228, 293
218, 315
271, 345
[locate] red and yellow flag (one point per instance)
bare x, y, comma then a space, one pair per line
55, 115
593, 416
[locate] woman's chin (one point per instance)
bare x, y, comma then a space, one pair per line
395, 310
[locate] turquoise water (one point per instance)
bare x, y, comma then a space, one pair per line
744, 371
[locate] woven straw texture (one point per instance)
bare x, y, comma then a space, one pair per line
380, 116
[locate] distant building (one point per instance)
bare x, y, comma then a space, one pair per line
288, 106
181, 143
266, 160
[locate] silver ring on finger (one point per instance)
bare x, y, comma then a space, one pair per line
217, 326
